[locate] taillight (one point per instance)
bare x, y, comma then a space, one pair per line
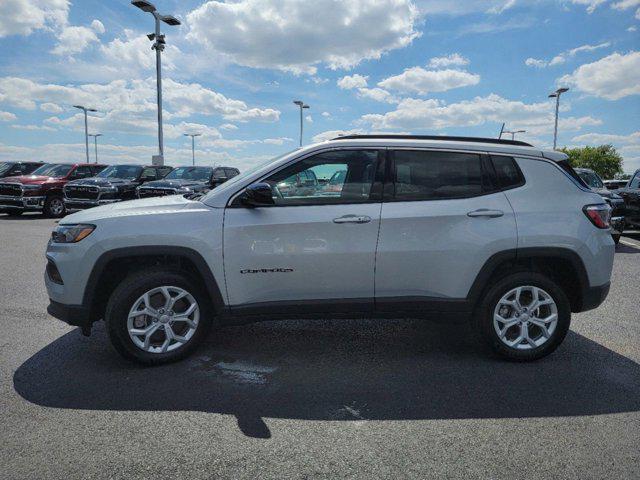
600, 215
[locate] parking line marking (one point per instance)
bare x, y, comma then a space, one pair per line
630, 243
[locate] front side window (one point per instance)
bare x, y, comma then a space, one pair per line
128, 172
53, 170
427, 175
307, 182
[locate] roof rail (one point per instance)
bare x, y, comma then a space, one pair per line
436, 137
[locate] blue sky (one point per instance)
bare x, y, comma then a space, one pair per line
233, 68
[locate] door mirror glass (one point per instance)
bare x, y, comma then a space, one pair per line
257, 195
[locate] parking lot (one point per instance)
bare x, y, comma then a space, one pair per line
314, 399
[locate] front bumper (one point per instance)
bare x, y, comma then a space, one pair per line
72, 204
24, 204
617, 225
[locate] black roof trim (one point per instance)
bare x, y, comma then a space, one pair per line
436, 137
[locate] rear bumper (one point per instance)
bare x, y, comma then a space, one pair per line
593, 297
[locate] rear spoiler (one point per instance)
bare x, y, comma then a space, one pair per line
555, 156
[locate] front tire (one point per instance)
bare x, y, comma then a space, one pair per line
54, 206
524, 317
157, 316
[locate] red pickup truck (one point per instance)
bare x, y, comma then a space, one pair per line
41, 191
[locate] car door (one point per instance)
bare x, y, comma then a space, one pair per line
631, 195
308, 252
442, 219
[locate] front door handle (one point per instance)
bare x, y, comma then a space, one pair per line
484, 212
352, 219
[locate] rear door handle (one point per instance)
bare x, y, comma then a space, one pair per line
352, 219
484, 212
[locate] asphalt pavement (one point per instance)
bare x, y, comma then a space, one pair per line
314, 399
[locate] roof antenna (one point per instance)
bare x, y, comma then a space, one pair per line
501, 132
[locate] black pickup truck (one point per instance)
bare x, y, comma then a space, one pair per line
113, 184
185, 180
631, 196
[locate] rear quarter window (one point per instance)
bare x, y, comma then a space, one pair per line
508, 174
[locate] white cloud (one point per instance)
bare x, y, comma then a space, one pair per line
604, 138
626, 4
51, 107
420, 114
564, 56
22, 17
421, 81
454, 59
297, 36
7, 116
74, 39
326, 114
590, 4
228, 126
349, 82
612, 77
377, 94
309, 119
498, 9
134, 100
34, 127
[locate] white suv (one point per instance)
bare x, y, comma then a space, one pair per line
446, 228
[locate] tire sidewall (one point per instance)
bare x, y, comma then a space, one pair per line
495, 293
128, 292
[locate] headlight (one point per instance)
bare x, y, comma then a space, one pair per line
184, 190
71, 233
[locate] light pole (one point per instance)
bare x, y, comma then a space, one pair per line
193, 145
513, 133
95, 141
302, 106
158, 46
86, 128
556, 95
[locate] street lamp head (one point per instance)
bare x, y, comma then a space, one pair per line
79, 106
306, 106
170, 20
298, 102
553, 95
91, 110
144, 5
562, 90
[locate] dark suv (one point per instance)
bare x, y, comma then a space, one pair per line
184, 180
42, 189
631, 196
16, 169
615, 201
114, 184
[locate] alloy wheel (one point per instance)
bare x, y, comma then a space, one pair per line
525, 318
163, 319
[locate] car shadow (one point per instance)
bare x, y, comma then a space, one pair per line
352, 370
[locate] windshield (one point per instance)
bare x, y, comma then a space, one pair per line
4, 167
129, 172
53, 170
199, 174
591, 179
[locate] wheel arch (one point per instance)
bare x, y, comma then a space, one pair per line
562, 265
114, 265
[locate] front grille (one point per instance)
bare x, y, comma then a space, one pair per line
5, 202
156, 192
87, 193
11, 189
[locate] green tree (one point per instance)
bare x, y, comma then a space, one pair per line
604, 159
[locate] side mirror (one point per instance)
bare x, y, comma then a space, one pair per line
257, 195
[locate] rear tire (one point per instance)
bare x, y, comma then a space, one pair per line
162, 345
502, 322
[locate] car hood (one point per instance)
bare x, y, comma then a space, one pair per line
172, 183
142, 207
27, 179
101, 182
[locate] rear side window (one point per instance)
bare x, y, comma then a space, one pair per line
564, 165
508, 174
426, 175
